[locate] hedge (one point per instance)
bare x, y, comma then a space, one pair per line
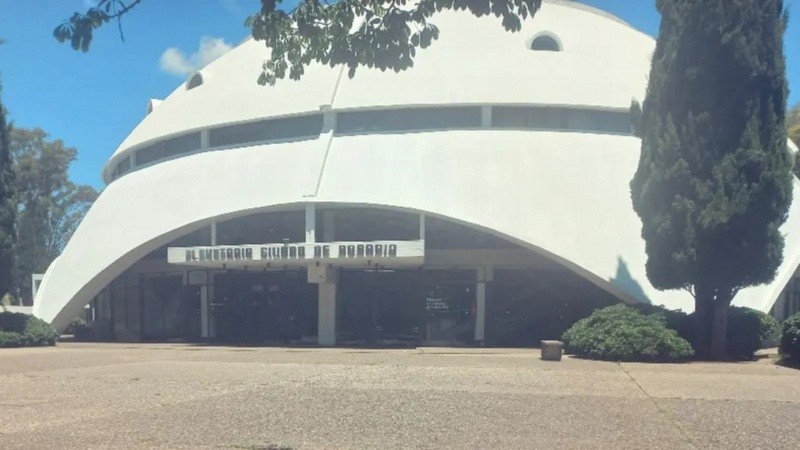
24, 330
790, 340
622, 333
748, 331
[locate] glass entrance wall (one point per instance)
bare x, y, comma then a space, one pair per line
170, 310
444, 234
263, 307
450, 306
263, 228
528, 306
406, 307
528, 298
367, 224
380, 307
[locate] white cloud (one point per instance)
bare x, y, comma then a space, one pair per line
175, 62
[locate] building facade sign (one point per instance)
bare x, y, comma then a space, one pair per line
374, 253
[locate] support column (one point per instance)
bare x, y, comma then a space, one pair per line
326, 329
422, 227
482, 294
486, 116
480, 317
311, 223
204, 312
214, 233
326, 277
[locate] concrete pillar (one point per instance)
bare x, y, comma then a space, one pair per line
326, 329
204, 312
486, 116
422, 227
311, 223
485, 276
213, 233
204, 139
480, 317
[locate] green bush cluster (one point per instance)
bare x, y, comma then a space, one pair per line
603, 334
622, 333
748, 331
790, 340
770, 330
23, 330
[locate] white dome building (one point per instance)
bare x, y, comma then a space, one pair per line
481, 195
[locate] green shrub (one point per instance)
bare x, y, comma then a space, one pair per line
74, 324
623, 333
744, 333
23, 330
790, 340
770, 330
748, 331
674, 319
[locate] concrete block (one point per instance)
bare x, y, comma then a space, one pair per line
552, 350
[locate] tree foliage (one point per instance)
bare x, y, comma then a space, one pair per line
375, 33
49, 205
713, 183
7, 207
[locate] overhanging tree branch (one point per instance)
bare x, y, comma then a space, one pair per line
383, 34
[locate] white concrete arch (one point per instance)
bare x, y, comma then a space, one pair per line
564, 194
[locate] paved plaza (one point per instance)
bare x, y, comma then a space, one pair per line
185, 396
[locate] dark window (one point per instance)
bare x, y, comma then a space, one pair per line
573, 119
266, 130
366, 224
409, 119
196, 80
444, 234
124, 166
545, 44
263, 228
181, 144
150, 154
168, 148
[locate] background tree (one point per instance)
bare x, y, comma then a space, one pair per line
49, 205
793, 123
373, 33
7, 207
713, 183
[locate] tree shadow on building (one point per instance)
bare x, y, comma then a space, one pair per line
625, 281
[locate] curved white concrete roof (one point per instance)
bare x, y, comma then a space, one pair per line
562, 194
474, 61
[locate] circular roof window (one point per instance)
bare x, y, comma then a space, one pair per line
194, 81
545, 43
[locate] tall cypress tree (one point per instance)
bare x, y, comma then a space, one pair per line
714, 183
8, 207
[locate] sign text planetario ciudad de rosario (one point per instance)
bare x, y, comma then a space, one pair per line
298, 253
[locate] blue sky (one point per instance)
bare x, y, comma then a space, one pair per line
92, 101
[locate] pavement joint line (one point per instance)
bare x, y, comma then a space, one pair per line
686, 436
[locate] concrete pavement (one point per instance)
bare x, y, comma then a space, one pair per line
185, 396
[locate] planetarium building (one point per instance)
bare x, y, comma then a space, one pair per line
480, 196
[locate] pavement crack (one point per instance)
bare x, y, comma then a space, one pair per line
684, 434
